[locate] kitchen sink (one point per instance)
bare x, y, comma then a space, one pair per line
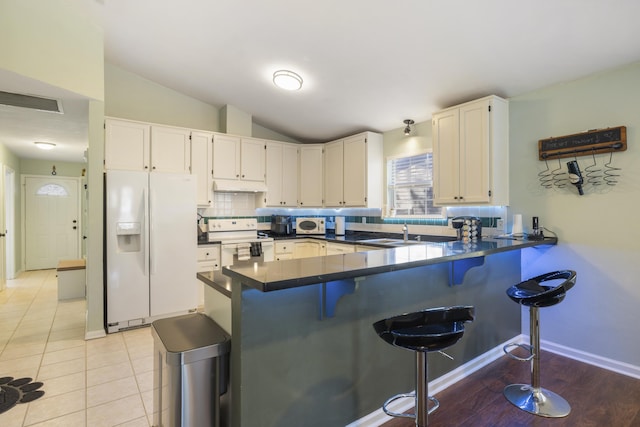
391, 242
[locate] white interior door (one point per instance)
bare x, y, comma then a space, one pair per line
52, 220
3, 263
10, 221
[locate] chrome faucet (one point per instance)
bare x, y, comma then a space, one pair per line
405, 230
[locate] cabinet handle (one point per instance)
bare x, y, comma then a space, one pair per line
146, 167
154, 168
237, 175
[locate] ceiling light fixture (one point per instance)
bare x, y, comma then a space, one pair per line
45, 145
287, 80
407, 129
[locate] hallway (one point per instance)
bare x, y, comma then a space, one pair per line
101, 382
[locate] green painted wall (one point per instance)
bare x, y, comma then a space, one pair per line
132, 97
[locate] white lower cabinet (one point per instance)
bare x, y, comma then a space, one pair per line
283, 250
308, 248
208, 260
339, 248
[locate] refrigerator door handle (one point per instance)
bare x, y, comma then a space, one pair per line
152, 246
148, 231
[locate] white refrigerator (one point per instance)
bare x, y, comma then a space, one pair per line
151, 247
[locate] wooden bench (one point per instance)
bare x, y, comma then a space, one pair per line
71, 279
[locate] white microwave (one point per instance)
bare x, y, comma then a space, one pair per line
310, 226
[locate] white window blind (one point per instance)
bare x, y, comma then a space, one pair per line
410, 185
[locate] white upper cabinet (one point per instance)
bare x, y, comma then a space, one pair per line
333, 173
471, 153
252, 159
170, 149
353, 171
202, 165
238, 158
127, 145
143, 147
310, 176
226, 156
281, 174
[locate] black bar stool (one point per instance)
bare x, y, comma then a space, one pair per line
541, 291
423, 332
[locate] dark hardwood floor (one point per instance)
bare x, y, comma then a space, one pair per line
598, 397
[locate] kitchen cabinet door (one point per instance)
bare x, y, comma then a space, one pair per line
355, 171
308, 249
446, 157
202, 165
170, 149
127, 145
290, 175
226, 156
252, 159
334, 174
281, 173
339, 248
310, 171
274, 174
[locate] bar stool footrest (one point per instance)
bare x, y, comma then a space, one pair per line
436, 405
525, 347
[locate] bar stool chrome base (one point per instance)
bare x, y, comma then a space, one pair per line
540, 401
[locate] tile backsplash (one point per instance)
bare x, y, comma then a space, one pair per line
240, 205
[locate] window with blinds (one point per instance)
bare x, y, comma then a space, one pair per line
410, 185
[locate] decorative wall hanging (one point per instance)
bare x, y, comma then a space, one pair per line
589, 143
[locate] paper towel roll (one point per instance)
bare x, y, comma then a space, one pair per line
517, 224
339, 226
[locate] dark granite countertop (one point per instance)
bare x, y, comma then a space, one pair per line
273, 276
216, 280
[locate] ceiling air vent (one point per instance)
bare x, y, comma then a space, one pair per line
32, 102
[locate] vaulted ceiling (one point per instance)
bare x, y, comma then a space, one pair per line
366, 64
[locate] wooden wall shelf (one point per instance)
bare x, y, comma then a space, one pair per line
587, 143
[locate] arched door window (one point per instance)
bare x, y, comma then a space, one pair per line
52, 190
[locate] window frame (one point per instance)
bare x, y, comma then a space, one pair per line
388, 188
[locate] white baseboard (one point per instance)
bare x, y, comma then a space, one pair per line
378, 417
591, 359
91, 335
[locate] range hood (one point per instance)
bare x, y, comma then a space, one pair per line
238, 186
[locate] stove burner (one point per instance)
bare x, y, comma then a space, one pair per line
21, 390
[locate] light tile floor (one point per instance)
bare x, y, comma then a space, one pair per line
102, 382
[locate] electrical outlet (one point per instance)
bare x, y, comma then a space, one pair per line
364, 219
500, 226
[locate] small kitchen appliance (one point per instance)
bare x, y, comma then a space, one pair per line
281, 225
469, 228
339, 226
310, 226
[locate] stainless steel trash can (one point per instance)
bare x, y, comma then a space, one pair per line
191, 371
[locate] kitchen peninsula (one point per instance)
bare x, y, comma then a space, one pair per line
303, 348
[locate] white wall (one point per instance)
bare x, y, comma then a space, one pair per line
597, 235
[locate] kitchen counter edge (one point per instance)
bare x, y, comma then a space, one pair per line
280, 275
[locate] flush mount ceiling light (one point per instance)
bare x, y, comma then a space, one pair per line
407, 129
287, 80
45, 145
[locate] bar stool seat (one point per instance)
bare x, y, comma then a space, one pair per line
422, 332
541, 291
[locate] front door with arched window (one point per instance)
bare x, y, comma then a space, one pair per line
52, 221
